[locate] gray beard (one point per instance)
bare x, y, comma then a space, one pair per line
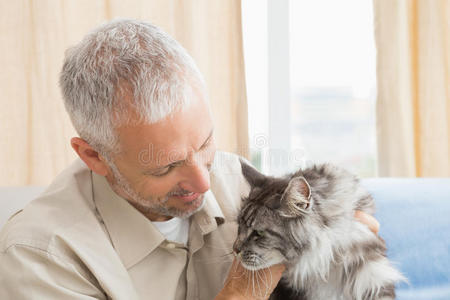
149, 205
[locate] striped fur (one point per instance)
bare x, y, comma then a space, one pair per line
305, 220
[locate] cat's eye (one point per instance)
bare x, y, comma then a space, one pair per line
259, 233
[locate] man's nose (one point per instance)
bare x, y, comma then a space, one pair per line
196, 177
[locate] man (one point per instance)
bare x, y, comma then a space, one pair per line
147, 212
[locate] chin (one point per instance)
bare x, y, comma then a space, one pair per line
186, 210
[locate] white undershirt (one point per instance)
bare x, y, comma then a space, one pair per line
174, 230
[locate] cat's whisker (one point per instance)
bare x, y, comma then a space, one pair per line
248, 280
257, 291
253, 283
237, 277
263, 277
241, 272
260, 282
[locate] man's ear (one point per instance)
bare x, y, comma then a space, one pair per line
91, 157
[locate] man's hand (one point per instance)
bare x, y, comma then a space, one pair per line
244, 284
368, 220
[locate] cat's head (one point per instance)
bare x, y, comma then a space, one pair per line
270, 222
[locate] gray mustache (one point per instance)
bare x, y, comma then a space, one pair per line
179, 192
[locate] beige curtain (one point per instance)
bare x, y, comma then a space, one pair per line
35, 129
413, 71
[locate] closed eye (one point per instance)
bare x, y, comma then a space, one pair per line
167, 169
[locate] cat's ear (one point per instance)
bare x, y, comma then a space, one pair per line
296, 199
253, 176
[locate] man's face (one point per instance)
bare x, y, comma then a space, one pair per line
163, 168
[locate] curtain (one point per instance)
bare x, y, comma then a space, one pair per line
413, 73
35, 130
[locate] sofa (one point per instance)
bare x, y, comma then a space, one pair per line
415, 223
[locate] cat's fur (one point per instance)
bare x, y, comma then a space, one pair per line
306, 221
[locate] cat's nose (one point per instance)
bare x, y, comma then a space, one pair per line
236, 248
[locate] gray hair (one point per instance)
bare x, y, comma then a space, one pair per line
124, 68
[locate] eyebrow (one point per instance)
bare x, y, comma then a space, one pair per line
149, 171
207, 139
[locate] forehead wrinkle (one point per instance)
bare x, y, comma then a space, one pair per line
173, 155
171, 138
178, 155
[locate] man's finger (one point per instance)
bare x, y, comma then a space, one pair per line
367, 219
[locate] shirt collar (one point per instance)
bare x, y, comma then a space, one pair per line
132, 234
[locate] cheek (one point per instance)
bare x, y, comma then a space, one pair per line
264, 243
268, 245
254, 245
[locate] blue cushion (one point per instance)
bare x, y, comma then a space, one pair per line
415, 223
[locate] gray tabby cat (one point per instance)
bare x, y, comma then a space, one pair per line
305, 220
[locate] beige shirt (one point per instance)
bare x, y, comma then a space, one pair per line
80, 240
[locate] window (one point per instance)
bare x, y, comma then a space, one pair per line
329, 70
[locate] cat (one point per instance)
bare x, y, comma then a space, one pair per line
305, 220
